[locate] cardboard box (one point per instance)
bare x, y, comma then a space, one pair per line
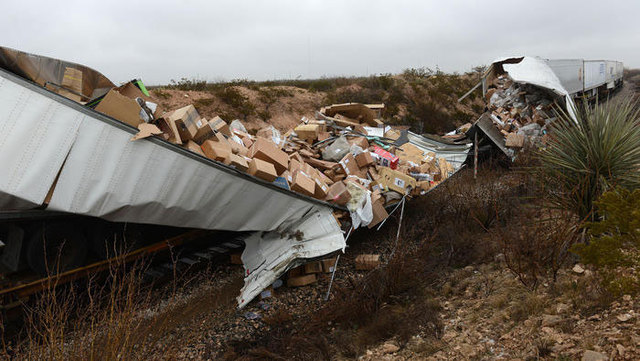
130, 90
360, 142
215, 151
514, 140
303, 184
72, 80
192, 146
386, 159
267, 151
328, 264
220, 125
365, 262
349, 165
204, 132
300, 281
338, 194
237, 162
379, 212
308, 131
120, 107
261, 169
323, 136
397, 181
321, 187
313, 267
235, 258
186, 119
364, 159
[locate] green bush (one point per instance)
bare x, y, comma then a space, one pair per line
614, 248
598, 152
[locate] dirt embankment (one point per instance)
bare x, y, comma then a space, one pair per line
427, 102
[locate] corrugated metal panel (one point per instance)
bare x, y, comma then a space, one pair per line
594, 74
569, 72
454, 154
37, 130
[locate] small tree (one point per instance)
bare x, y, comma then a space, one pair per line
614, 249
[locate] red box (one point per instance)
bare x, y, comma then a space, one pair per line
386, 159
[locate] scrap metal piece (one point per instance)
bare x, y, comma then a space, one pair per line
268, 255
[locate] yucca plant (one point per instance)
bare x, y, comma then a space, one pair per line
598, 151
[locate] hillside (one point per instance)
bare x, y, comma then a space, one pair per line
423, 99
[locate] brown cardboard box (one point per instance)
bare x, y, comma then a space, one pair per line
72, 79
349, 165
396, 181
338, 193
133, 92
192, 146
313, 267
514, 140
323, 135
214, 150
169, 130
303, 184
220, 125
186, 119
203, 133
237, 161
267, 151
261, 169
235, 258
379, 212
120, 107
308, 131
300, 281
321, 187
328, 264
360, 141
364, 159
365, 262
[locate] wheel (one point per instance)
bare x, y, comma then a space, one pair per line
110, 239
56, 247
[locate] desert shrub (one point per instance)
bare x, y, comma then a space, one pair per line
536, 245
161, 94
240, 104
599, 151
614, 246
188, 84
417, 73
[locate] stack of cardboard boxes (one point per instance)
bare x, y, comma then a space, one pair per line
295, 161
519, 111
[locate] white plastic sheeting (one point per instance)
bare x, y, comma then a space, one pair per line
536, 71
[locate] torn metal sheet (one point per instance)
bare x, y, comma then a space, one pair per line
455, 154
44, 70
268, 255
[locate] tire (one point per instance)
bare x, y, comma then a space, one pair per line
56, 247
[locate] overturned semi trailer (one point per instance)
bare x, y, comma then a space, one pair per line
61, 157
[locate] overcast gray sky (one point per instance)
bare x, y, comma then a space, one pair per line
223, 40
